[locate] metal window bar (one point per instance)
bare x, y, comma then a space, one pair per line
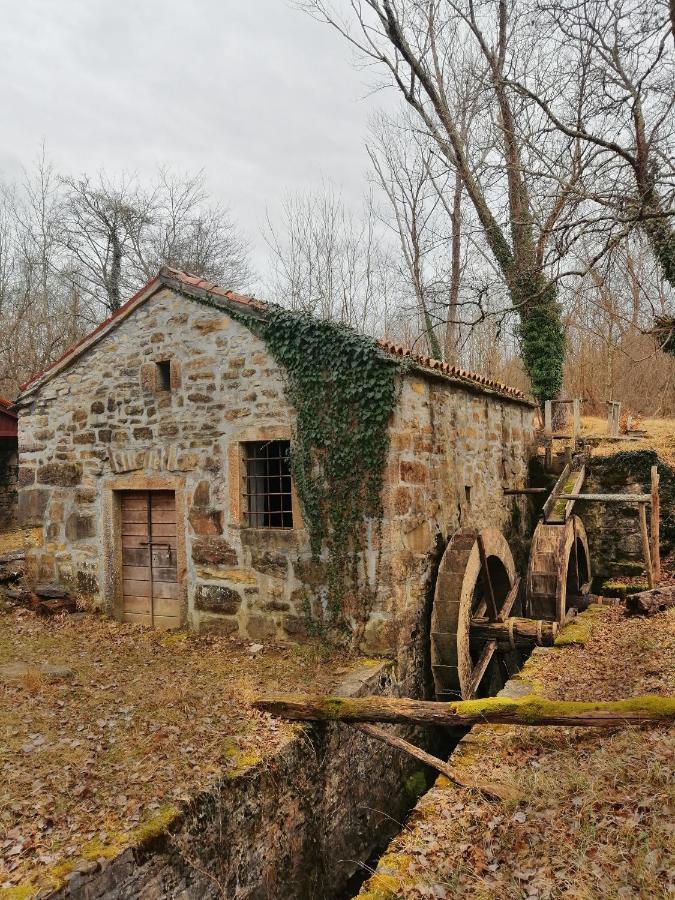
268, 484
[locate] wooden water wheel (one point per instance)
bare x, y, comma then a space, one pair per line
474, 637
559, 571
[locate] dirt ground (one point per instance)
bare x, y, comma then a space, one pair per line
598, 812
660, 436
87, 762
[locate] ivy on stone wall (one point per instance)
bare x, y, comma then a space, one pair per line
343, 389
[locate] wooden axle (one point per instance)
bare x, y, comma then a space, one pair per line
512, 492
515, 632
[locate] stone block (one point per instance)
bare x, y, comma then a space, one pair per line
26, 476
259, 628
413, 472
143, 433
311, 572
206, 521
217, 598
219, 625
79, 528
202, 494
32, 506
84, 437
87, 583
275, 564
236, 576
213, 551
97, 407
295, 627
62, 474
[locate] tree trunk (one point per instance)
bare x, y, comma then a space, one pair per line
516, 632
451, 327
465, 713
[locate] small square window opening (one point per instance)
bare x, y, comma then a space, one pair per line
268, 498
164, 375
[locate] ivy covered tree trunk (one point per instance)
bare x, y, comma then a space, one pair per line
542, 336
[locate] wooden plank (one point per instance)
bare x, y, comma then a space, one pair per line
137, 618
168, 573
134, 516
162, 500
135, 556
137, 605
557, 488
136, 573
168, 590
165, 516
487, 580
510, 599
479, 669
642, 511
162, 558
134, 528
548, 417
166, 606
656, 525
159, 532
578, 484
136, 588
134, 540
609, 498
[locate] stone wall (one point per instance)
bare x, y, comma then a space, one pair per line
293, 826
103, 424
9, 476
613, 528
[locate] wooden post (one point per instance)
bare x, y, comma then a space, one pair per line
656, 523
548, 418
613, 416
576, 421
642, 508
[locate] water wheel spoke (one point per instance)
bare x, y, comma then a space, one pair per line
487, 580
508, 603
480, 668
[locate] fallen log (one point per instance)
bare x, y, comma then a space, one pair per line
649, 603
530, 710
491, 790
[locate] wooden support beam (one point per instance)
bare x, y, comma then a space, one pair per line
608, 498
548, 417
528, 711
491, 790
480, 667
509, 600
656, 525
576, 421
642, 511
512, 492
487, 581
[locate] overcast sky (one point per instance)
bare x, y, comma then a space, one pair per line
261, 97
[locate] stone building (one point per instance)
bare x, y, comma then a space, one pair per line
9, 465
154, 456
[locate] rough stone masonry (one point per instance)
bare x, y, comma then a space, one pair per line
165, 395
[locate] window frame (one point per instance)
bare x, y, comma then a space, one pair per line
264, 470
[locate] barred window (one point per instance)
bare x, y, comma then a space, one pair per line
268, 500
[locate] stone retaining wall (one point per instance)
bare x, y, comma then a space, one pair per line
292, 826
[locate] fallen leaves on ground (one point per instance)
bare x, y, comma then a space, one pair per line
599, 807
146, 720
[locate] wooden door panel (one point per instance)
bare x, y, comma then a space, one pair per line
136, 556
165, 589
151, 593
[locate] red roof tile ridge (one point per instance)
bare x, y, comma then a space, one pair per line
429, 362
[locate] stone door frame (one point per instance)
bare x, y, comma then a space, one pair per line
111, 533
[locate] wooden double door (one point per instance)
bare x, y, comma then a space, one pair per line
150, 589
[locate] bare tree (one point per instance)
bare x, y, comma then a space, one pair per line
327, 261
420, 45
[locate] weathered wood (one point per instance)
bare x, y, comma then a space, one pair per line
576, 421
613, 418
489, 789
480, 667
532, 710
608, 498
557, 489
511, 492
487, 581
649, 603
509, 600
656, 525
548, 417
515, 632
642, 512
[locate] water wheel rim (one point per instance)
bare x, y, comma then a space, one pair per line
453, 666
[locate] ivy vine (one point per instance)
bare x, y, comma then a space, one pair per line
343, 389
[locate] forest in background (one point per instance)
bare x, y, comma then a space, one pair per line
518, 219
